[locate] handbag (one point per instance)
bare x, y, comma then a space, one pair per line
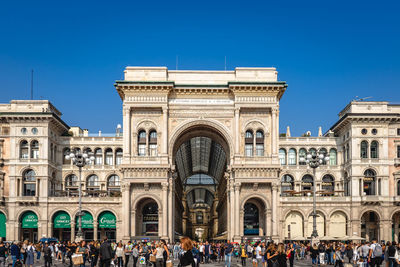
153, 258
77, 259
169, 263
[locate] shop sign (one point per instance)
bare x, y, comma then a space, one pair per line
87, 221
107, 220
150, 218
62, 220
29, 220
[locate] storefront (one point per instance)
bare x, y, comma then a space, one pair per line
29, 226
150, 219
87, 226
2, 226
107, 226
62, 226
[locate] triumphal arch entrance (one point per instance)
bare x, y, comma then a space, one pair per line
200, 155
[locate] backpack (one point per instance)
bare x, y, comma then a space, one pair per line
391, 251
377, 251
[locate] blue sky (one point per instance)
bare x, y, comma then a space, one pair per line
328, 52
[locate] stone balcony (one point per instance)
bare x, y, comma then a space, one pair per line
85, 199
320, 199
27, 200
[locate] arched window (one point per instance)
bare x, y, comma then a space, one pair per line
287, 185
55, 153
51, 152
364, 150
248, 144
114, 183
89, 151
369, 182
93, 182
313, 151
153, 144
332, 157
109, 156
66, 152
199, 217
347, 152
34, 149
328, 183
259, 143
251, 219
71, 183
23, 149
282, 156
52, 184
98, 156
325, 153
302, 154
29, 180
292, 156
142, 143
374, 150
307, 183
118, 156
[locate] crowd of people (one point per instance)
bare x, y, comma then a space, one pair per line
192, 254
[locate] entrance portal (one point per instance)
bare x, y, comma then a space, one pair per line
200, 157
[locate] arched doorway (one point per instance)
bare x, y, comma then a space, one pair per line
87, 225
254, 223
294, 225
62, 226
29, 226
370, 225
107, 224
320, 224
147, 216
201, 154
337, 225
396, 226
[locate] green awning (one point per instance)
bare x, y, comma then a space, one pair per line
2, 225
29, 220
87, 221
62, 220
107, 220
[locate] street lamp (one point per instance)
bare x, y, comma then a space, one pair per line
314, 160
80, 160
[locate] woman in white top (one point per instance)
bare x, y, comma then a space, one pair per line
159, 253
119, 254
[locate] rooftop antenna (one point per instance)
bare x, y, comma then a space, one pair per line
32, 85
358, 99
225, 63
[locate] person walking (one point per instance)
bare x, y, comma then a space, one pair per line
281, 257
159, 253
3, 253
228, 254
186, 258
135, 254
375, 254
338, 257
47, 255
30, 255
105, 253
119, 253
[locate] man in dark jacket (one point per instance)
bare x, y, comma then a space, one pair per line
105, 253
15, 253
47, 255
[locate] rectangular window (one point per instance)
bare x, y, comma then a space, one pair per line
398, 152
35, 154
248, 150
142, 150
153, 150
260, 150
24, 153
109, 160
29, 189
98, 160
398, 131
118, 160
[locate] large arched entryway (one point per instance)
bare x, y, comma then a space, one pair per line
147, 217
29, 226
254, 219
370, 225
200, 155
395, 234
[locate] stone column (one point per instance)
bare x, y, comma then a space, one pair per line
171, 209
385, 230
21, 187
237, 210
126, 208
72, 231
396, 229
268, 222
95, 230
232, 209
237, 131
165, 132
127, 131
274, 210
165, 210
274, 138
133, 222
305, 228
50, 229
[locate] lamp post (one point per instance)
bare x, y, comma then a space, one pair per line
80, 159
314, 160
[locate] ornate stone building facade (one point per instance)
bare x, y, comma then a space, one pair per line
199, 154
